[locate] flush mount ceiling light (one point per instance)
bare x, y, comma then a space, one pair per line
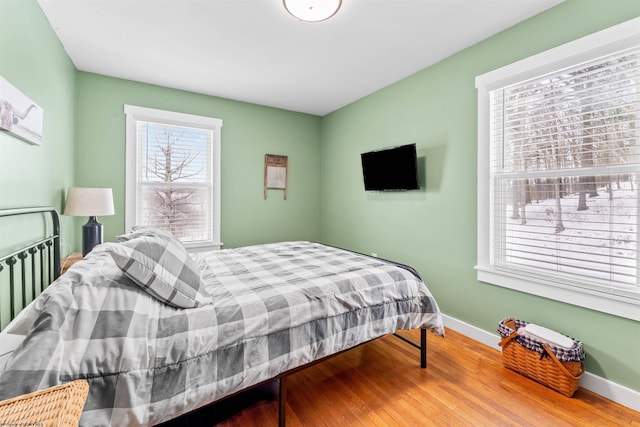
312, 10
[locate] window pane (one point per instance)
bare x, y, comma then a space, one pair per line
172, 154
580, 225
564, 162
182, 210
586, 116
174, 180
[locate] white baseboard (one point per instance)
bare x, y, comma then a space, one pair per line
602, 386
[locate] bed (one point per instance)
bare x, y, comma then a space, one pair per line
158, 332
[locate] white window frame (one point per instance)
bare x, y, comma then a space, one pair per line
133, 115
596, 45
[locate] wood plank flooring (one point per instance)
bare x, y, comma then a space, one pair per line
381, 384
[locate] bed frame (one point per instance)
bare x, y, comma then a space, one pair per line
30, 269
38, 265
282, 378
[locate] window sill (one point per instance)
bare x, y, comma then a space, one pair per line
598, 301
202, 247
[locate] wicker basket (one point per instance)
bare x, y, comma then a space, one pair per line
545, 368
56, 406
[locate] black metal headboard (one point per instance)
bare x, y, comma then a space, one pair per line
30, 269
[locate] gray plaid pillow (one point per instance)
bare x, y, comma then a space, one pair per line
163, 268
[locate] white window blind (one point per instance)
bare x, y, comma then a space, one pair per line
174, 174
563, 172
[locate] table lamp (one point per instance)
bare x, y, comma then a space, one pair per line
91, 202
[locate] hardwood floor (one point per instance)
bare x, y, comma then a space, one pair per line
465, 384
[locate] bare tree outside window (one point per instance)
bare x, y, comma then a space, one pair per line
174, 179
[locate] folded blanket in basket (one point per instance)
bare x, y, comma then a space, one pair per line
547, 335
575, 353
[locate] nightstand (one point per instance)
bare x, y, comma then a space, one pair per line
69, 260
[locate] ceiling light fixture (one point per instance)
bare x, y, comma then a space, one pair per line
312, 10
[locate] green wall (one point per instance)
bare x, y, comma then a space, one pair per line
248, 133
33, 60
435, 229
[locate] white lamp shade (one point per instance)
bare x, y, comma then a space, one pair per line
89, 202
312, 10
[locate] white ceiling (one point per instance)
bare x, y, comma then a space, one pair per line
254, 51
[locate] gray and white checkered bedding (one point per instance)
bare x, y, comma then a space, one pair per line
274, 307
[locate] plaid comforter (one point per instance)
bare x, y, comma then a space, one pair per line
274, 307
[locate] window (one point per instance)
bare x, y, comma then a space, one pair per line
173, 174
559, 173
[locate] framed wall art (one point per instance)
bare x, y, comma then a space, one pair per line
19, 115
275, 173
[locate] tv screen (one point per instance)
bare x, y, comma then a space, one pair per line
391, 169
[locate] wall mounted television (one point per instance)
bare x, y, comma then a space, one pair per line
391, 169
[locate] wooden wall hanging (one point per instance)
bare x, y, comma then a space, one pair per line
275, 173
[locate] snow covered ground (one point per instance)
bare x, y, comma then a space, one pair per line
600, 242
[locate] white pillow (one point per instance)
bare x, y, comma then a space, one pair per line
145, 230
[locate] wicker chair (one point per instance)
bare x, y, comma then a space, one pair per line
56, 406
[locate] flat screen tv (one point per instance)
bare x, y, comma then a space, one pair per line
391, 169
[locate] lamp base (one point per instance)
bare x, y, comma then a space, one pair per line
92, 235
